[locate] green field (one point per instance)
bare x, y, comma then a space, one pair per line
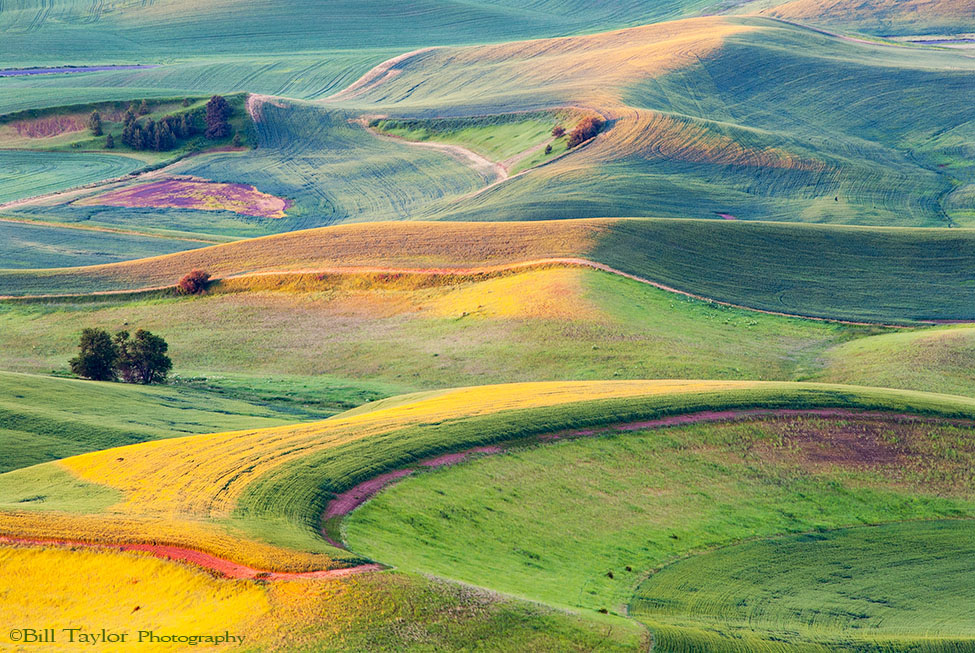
721, 136
47, 418
498, 138
332, 171
774, 90
26, 174
26, 245
609, 327
551, 522
872, 588
285, 506
38, 34
937, 359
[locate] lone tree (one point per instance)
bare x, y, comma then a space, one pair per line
586, 129
558, 131
98, 356
193, 283
95, 123
109, 142
142, 359
143, 108
218, 110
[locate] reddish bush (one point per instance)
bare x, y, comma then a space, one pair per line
558, 131
586, 129
194, 283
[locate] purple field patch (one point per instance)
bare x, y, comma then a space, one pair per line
196, 194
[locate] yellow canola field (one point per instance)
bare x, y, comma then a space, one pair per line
124, 593
203, 476
121, 593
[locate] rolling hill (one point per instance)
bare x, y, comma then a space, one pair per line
851, 273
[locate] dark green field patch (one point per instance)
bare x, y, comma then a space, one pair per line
895, 587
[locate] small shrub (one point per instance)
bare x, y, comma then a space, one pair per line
194, 282
109, 142
558, 131
548, 149
143, 108
586, 129
236, 141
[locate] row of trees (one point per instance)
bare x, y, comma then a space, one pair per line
165, 134
139, 359
159, 136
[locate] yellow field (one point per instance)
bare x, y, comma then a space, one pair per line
177, 491
122, 593
181, 532
132, 592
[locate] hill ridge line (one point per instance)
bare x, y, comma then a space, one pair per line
459, 271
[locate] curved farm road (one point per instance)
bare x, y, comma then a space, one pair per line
492, 172
222, 566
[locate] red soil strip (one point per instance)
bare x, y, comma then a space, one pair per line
207, 561
454, 458
198, 195
349, 500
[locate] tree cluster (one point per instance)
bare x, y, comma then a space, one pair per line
139, 359
586, 129
159, 135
